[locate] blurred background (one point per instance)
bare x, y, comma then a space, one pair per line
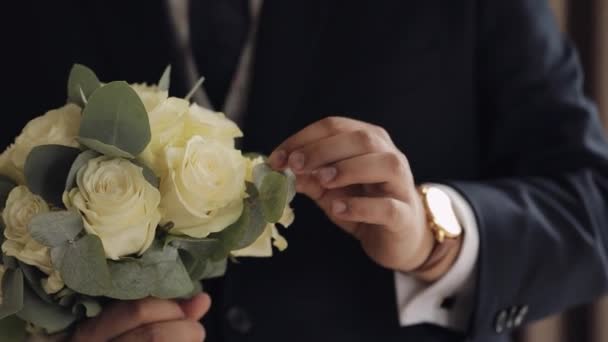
586, 23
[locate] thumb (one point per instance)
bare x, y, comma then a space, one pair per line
196, 307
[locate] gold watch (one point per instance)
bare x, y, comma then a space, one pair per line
440, 214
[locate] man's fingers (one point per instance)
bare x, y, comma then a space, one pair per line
388, 167
335, 148
182, 331
381, 211
120, 317
316, 131
196, 307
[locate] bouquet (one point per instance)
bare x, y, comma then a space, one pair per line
125, 193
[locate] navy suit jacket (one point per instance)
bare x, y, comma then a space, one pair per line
483, 95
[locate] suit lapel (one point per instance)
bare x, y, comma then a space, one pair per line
287, 51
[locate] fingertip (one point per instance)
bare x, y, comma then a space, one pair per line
278, 159
196, 307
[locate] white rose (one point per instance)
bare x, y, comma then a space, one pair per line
211, 125
150, 95
204, 188
21, 207
166, 126
59, 126
262, 247
117, 204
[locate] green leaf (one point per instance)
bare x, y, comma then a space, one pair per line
215, 269
9, 262
149, 175
56, 228
81, 79
46, 169
245, 230
165, 79
86, 307
51, 317
6, 185
80, 161
83, 267
12, 293
115, 121
34, 277
273, 196
159, 272
108, 150
198, 248
12, 329
291, 184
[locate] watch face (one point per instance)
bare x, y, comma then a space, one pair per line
441, 208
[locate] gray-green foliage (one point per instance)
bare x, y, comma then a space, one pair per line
46, 169
82, 82
115, 121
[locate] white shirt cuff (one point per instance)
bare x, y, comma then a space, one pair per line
419, 302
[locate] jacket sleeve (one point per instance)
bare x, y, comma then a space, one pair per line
542, 203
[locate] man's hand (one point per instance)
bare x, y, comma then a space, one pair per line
364, 184
148, 319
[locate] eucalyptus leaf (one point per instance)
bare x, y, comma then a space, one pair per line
81, 160
215, 269
259, 172
105, 149
115, 116
245, 230
6, 185
12, 328
291, 184
12, 293
159, 272
194, 266
165, 80
34, 279
82, 82
149, 175
86, 307
52, 318
198, 248
55, 228
83, 266
46, 169
9, 261
273, 196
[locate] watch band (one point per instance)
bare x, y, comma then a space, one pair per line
440, 250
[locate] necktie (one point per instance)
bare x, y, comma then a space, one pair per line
218, 31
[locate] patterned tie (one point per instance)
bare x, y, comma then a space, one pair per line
218, 31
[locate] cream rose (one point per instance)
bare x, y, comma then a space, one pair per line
117, 204
211, 125
167, 128
21, 207
204, 188
59, 126
174, 121
150, 95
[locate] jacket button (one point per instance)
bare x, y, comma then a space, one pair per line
501, 321
521, 315
239, 320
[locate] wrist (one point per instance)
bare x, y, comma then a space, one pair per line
440, 261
